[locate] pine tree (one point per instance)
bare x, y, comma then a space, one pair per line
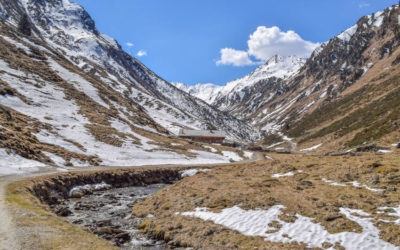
24, 25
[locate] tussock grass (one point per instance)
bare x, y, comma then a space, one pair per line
251, 186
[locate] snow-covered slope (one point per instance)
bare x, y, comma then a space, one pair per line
204, 91
243, 92
71, 95
240, 96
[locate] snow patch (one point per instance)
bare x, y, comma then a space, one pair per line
353, 183
211, 148
303, 230
279, 175
192, 172
311, 148
98, 186
248, 154
15, 164
232, 155
348, 34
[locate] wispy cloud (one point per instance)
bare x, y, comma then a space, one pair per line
264, 43
364, 5
129, 44
141, 53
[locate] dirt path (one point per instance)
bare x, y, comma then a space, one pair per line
8, 239
8, 230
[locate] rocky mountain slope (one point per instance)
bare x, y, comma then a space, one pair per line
343, 95
242, 96
71, 96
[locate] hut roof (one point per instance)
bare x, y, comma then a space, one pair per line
202, 133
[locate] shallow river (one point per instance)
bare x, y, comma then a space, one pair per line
109, 214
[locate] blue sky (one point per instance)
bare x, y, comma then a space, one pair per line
182, 40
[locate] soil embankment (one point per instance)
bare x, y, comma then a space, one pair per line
34, 201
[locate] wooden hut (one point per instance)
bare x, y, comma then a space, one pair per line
208, 136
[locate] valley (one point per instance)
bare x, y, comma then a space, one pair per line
94, 155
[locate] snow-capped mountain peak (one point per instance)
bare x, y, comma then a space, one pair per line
279, 67
229, 96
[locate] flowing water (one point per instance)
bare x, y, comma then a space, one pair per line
109, 215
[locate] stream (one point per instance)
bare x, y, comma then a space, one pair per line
108, 214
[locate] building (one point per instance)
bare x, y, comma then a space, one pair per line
209, 136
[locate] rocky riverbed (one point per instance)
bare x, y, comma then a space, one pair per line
108, 214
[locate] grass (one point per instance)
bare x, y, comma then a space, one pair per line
250, 186
41, 229
352, 113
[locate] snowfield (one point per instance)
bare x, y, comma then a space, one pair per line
303, 230
15, 164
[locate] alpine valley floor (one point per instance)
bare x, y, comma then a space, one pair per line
293, 201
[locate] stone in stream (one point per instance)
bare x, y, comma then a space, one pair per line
63, 211
108, 214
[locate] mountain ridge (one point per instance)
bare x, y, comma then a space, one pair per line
82, 100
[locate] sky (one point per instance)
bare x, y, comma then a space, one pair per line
217, 41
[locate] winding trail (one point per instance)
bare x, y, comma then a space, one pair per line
8, 230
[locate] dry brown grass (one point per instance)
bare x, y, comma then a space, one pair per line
251, 186
38, 228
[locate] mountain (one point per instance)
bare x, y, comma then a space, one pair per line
239, 96
70, 94
204, 91
345, 95
242, 96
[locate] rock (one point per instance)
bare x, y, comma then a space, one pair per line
103, 223
63, 211
306, 183
79, 221
367, 148
333, 217
198, 201
124, 236
104, 230
376, 165
77, 194
209, 232
375, 180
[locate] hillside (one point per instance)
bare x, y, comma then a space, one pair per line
344, 95
241, 97
70, 95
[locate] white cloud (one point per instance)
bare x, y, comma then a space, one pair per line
141, 53
234, 57
129, 44
266, 42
